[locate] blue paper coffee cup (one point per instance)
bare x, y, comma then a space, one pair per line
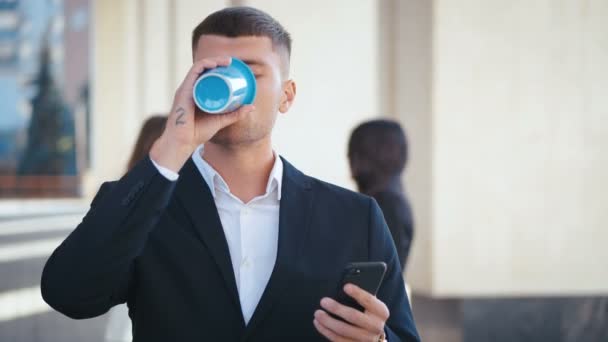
225, 89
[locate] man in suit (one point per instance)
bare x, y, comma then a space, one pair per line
215, 237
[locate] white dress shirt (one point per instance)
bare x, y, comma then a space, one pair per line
251, 229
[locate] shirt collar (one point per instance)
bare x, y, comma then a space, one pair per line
215, 181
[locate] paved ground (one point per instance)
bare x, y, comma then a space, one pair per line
25, 244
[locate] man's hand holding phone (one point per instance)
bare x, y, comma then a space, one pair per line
364, 317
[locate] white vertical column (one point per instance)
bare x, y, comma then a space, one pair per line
412, 70
114, 88
155, 56
388, 19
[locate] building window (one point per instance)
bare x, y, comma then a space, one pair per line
44, 82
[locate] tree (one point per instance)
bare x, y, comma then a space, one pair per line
50, 148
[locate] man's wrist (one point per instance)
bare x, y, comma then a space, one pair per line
170, 156
168, 174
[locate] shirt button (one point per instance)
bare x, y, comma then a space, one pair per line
246, 211
245, 263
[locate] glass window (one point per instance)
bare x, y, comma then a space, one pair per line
44, 82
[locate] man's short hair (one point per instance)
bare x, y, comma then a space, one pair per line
240, 22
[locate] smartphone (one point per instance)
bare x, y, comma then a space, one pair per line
366, 275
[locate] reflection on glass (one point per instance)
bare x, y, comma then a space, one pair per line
44, 107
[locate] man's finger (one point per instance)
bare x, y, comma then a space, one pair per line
342, 329
201, 65
219, 121
368, 301
330, 335
232, 117
353, 316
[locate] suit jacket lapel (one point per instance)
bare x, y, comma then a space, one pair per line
294, 216
196, 197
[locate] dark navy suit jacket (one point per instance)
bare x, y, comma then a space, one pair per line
159, 246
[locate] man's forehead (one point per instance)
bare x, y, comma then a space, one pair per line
253, 48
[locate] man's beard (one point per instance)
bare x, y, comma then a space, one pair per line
239, 134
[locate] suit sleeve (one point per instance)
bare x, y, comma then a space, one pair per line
400, 326
91, 270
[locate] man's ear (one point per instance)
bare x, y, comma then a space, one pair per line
289, 94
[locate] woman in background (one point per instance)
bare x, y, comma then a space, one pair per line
151, 130
377, 153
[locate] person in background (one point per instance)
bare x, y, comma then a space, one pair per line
118, 328
151, 130
377, 153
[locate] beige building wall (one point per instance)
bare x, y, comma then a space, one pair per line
412, 71
513, 198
